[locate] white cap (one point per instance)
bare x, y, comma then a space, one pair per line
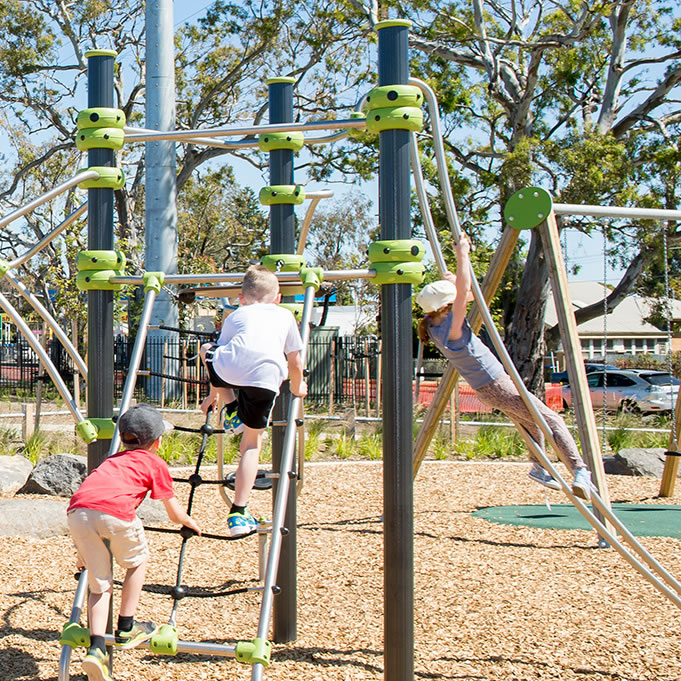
436, 295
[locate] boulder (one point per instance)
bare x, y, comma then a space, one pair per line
57, 475
38, 518
14, 472
636, 461
152, 512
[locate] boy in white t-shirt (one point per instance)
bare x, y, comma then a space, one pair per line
259, 346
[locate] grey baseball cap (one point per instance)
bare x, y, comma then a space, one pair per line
142, 424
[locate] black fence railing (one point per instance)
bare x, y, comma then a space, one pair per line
343, 370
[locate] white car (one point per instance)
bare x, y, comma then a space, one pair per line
641, 390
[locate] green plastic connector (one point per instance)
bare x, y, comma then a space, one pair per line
312, 276
390, 96
100, 138
272, 141
528, 208
74, 635
164, 641
153, 281
105, 427
395, 118
278, 194
396, 250
109, 178
398, 272
355, 133
392, 23
101, 117
103, 52
257, 651
99, 280
87, 431
295, 308
4, 267
100, 260
283, 262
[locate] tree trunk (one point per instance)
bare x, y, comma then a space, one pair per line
525, 336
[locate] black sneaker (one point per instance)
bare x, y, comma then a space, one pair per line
140, 632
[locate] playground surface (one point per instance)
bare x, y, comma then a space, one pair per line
493, 602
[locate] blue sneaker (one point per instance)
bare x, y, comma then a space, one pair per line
240, 524
96, 665
231, 423
542, 476
581, 485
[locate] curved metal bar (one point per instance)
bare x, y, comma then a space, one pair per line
51, 322
48, 238
134, 135
47, 196
133, 367
316, 198
26, 332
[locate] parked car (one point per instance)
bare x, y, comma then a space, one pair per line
562, 376
630, 389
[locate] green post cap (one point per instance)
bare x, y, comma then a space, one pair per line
280, 79
393, 23
100, 53
528, 208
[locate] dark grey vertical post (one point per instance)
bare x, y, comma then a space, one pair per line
282, 240
100, 237
396, 333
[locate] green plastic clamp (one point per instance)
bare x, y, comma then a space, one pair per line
295, 308
98, 280
394, 95
354, 133
100, 260
100, 138
396, 250
100, 117
277, 194
272, 141
528, 208
153, 281
283, 262
109, 178
312, 276
74, 635
4, 267
257, 651
395, 118
398, 272
87, 431
164, 641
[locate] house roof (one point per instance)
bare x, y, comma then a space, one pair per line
627, 319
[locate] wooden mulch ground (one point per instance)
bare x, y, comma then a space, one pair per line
491, 602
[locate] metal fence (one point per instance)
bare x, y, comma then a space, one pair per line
344, 371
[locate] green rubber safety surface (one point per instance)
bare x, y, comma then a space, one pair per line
642, 520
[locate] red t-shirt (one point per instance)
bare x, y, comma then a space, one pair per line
119, 484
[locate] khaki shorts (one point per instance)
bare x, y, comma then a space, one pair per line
127, 543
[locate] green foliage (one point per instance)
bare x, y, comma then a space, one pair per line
370, 446
492, 442
35, 447
624, 435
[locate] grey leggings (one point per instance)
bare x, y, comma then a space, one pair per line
502, 394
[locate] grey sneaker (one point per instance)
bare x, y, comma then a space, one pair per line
140, 633
581, 485
541, 475
96, 665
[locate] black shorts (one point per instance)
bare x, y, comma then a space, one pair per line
254, 405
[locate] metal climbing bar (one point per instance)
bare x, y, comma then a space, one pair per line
616, 212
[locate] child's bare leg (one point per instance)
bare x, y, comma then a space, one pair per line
251, 442
132, 587
226, 395
98, 611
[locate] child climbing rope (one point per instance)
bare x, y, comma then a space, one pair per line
444, 303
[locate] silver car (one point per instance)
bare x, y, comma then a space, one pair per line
641, 390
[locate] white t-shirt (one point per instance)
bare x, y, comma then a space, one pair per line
253, 345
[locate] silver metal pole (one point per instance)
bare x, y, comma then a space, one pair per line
133, 368
76, 610
288, 450
132, 134
48, 238
316, 198
616, 212
26, 332
55, 191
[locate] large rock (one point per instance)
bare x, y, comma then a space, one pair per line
58, 475
636, 461
152, 512
14, 472
32, 518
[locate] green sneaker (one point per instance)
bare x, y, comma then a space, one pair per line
96, 665
140, 632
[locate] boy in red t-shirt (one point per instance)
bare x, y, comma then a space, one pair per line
103, 523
